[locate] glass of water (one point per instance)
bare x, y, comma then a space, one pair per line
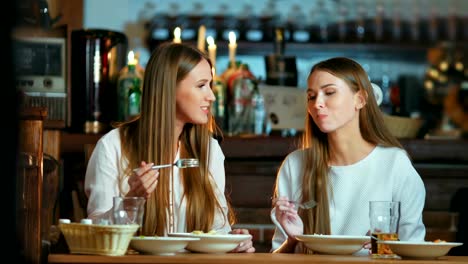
128, 210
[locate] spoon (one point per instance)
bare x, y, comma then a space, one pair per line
181, 163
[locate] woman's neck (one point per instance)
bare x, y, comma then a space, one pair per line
348, 149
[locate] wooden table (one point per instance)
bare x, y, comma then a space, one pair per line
241, 258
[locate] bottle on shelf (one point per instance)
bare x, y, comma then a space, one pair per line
280, 69
134, 99
158, 29
270, 19
298, 25
259, 112
319, 27
230, 24
396, 22
251, 25
414, 23
129, 89
341, 29
360, 29
240, 83
210, 25
219, 105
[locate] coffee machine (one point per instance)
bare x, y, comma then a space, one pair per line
97, 56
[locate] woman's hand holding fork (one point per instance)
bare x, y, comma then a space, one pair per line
143, 180
286, 214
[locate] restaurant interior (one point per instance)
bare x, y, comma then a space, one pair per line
416, 52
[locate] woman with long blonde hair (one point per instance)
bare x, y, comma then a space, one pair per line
348, 157
174, 123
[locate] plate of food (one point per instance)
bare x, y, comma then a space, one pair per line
333, 244
156, 245
212, 242
425, 249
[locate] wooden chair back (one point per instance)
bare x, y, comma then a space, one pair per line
30, 182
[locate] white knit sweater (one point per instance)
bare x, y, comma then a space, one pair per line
386, 174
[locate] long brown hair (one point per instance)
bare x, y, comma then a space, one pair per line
316, 148
150, 136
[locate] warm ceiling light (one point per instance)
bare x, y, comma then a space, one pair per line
443, 66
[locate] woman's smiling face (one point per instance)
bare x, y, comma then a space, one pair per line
194, 95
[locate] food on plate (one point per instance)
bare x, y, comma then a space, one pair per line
199, 232
439, 241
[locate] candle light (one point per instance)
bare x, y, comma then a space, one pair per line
177, 33
131, 60
211, 50
232, 48
201, 38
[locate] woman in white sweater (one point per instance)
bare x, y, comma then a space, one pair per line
347, 158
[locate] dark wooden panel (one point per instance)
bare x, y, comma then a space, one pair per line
258, 147
277, 147
449, 150
252, 163
250, 183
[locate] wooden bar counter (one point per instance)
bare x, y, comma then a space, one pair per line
255, 258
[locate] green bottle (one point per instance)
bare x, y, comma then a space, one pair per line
134, 98
129, 78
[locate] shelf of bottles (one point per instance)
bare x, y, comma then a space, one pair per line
341, 27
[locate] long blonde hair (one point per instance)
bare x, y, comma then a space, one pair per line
316, 148
150, 136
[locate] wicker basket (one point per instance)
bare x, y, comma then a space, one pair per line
403, 127
109, 240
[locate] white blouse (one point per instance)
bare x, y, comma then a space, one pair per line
102, 180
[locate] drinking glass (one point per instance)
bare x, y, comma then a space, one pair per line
128, 210
384, 217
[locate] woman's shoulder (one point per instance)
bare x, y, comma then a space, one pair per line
215, 147
391, 151
394, 155
214, 143
298, 153
110, 138
295, 156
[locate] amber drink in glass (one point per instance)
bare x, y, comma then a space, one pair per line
384, 217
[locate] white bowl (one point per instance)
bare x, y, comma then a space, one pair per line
213, 243
154, 245
410, 249
333, 244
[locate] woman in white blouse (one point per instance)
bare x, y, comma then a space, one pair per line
174, 122
348, 158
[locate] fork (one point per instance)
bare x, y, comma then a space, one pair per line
181, 163
306, 205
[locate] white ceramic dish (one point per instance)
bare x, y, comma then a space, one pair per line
411, 249
333, 244
153, 245
213, 243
